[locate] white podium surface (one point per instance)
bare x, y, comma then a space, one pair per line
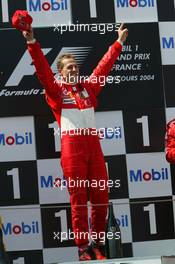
150, 260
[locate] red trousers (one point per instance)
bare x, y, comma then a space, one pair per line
83, 163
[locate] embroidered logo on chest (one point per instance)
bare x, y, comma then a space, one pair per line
68, 97
84, 94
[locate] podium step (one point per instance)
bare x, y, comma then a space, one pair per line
150, 260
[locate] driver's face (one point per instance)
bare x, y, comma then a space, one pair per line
70, 71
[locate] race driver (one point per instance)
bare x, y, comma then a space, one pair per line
73, 104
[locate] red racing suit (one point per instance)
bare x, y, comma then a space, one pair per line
81, 155
170, 141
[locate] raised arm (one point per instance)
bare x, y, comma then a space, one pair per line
43, 70
105, 65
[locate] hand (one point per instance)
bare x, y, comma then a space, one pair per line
28, 34
122, 33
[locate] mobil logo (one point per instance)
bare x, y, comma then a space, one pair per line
22, 228
110, 132
168, 42
135, 3
52, 182
50, 5
114, 133
123, 220
152, 175
16, 139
